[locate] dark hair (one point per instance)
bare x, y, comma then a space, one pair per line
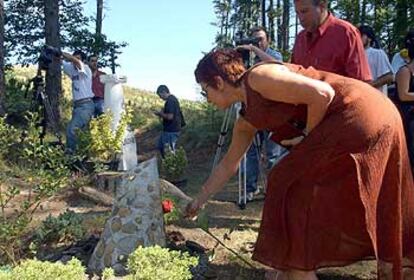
162, 89
317, 2
80, 53
369, 32
226, 63
409, 42
258, 29
92, 55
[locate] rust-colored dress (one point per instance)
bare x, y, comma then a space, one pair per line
346, 192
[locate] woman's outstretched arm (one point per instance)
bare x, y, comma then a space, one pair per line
243, 134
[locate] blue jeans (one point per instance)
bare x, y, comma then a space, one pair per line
99, 106
253, 156
167, 138
81, 115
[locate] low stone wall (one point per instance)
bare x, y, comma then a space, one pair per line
137, 219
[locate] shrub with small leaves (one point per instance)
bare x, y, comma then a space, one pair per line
101, 143
8, 136
160, 263
67, 227
37, 270
174, 163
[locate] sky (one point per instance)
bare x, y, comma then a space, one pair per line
166, 40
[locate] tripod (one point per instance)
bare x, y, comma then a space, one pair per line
242, 174
41, 103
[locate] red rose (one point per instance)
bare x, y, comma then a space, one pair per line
167, 206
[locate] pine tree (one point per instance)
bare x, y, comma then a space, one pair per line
2, 70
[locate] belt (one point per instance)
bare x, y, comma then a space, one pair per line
82, 101
96, 98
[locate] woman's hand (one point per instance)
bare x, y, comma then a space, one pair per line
293, 141
193, 207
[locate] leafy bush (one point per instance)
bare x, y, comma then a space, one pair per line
100, 143
160, 263
37, 270
8, 136
46, 173
174, 163
67, 227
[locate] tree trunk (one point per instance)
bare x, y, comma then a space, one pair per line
264, 13
401, 19
279, 26
285, 25
98, 29
271, 21
363, 12
99, 16
54, 74
2, 72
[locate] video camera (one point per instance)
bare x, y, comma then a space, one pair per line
46, 56
247, 41
245, 53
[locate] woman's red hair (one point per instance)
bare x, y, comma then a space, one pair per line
226, 63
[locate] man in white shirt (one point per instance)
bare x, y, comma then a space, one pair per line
83, 106
381, 69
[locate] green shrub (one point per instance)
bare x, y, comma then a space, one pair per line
100, 144
160, 263
174, 163
67, 227
37, 270
46, 172
8, 136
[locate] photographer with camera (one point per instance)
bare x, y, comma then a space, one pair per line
83, 105
259, 45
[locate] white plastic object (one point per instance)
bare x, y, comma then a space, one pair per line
114, 103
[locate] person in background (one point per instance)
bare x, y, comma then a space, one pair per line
404, 81
328, 43
98, 88
263, 51
83, 106
344, 192
381, 69
172, 120
262, 145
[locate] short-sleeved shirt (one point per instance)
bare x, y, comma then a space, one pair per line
336, 47
397, 62
172, 106
379, 65
98, 88
81, 80
273, 53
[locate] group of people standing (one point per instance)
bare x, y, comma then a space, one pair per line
345, 191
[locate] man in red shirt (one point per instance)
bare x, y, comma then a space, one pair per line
98, 88
328, 43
